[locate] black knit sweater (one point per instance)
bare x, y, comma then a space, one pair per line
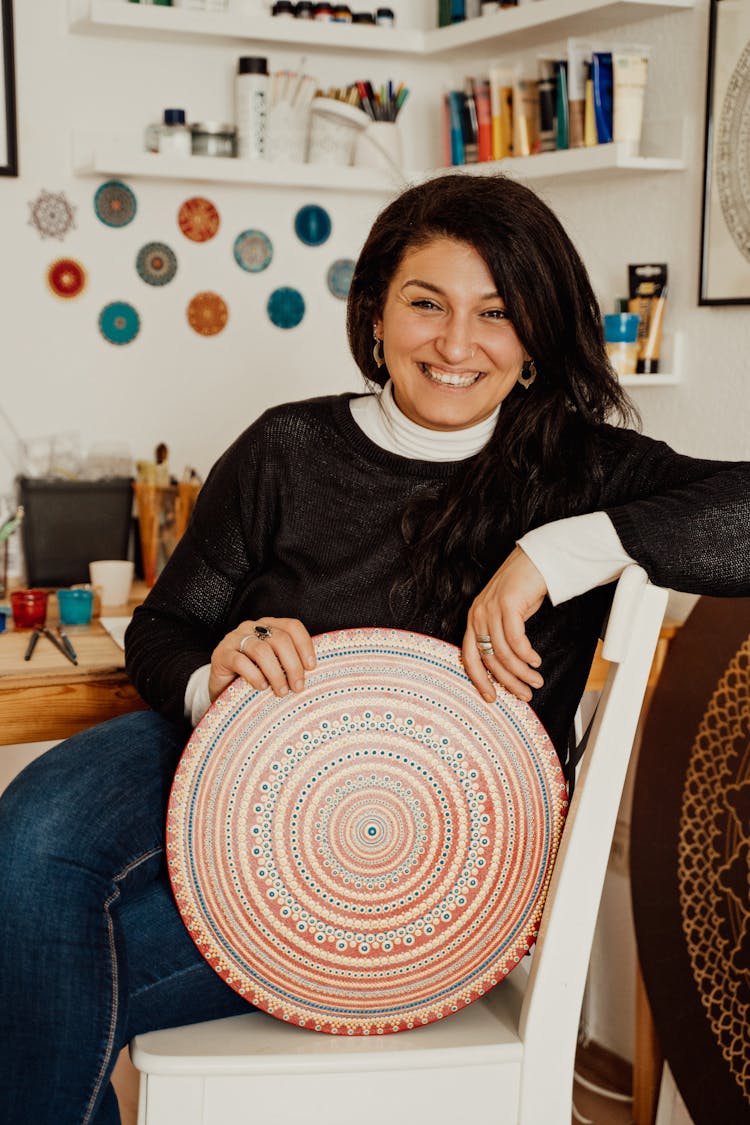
301, 518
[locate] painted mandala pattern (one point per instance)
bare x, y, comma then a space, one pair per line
733, 155
115, 204
156, 263
207, 314
339, 277
312, 225
253, 251
66, 278
119, 322
286, 307
372, 853
198, 219
52, 214
714, 865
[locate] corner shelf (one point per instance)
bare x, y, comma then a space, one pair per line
584, 163
546, 20
151, 21
105, 156
113, 159
524, 26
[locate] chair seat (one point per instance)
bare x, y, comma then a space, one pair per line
261, 1070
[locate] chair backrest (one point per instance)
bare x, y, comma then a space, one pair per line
552, 1000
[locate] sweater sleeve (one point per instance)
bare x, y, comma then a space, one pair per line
684, 519
185, 614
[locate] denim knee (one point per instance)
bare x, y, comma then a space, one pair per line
96, 801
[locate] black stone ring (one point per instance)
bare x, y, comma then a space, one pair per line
263, 632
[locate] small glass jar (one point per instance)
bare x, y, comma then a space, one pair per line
384, 17
364, 18
342, 13
304, 10
210, 138
174, 135
284, 8
323, 12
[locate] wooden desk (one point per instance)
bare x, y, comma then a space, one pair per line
47, 698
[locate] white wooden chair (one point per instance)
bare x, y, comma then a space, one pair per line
506, 1059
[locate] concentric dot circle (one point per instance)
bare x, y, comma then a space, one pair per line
372, 853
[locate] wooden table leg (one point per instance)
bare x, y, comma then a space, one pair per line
648, 1061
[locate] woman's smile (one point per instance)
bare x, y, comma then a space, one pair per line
450, 348
450, 378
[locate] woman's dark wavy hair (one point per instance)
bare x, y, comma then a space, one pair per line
540, 463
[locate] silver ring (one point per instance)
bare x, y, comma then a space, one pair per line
484, 639
262, 632
244, 641
485, 649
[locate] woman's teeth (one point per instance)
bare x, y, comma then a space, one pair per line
449, 380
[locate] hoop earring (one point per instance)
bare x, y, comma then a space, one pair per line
377, 351
527, 374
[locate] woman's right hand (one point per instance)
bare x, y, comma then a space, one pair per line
277, 655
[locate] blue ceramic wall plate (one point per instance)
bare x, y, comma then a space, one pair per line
253, 251
339, 277
115, 204
156, 263
312, 225
119, 322
286, 307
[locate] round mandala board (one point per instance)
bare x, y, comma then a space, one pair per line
372, 853
115, 204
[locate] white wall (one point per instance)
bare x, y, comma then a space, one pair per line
58, 374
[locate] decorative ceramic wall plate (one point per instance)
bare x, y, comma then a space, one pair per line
66, 278
198, 219
115, 204
207, 313
312, 225
286, 307
253, 251
156, 263
119, 322
339, 277
372, 853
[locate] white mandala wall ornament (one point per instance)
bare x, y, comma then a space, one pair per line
52, 214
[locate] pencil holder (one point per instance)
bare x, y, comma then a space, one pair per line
379, 146
334, 127
287, 127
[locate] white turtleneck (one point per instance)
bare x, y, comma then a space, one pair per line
572, 555
384, 424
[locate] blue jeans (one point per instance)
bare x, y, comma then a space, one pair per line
92, 948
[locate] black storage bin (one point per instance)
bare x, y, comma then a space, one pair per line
69, 523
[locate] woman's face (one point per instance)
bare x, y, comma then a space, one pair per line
450, 349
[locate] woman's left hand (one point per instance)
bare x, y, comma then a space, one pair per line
495, 640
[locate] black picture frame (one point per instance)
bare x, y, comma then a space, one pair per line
725, 231
8, 135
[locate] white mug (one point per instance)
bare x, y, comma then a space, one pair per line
112, 579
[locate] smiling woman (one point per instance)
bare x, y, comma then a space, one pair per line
474, 492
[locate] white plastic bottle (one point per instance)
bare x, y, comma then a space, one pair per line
251, 98
174, 135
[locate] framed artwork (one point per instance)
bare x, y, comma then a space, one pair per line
725, 241
8, 143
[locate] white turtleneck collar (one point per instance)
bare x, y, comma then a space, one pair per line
379, 417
